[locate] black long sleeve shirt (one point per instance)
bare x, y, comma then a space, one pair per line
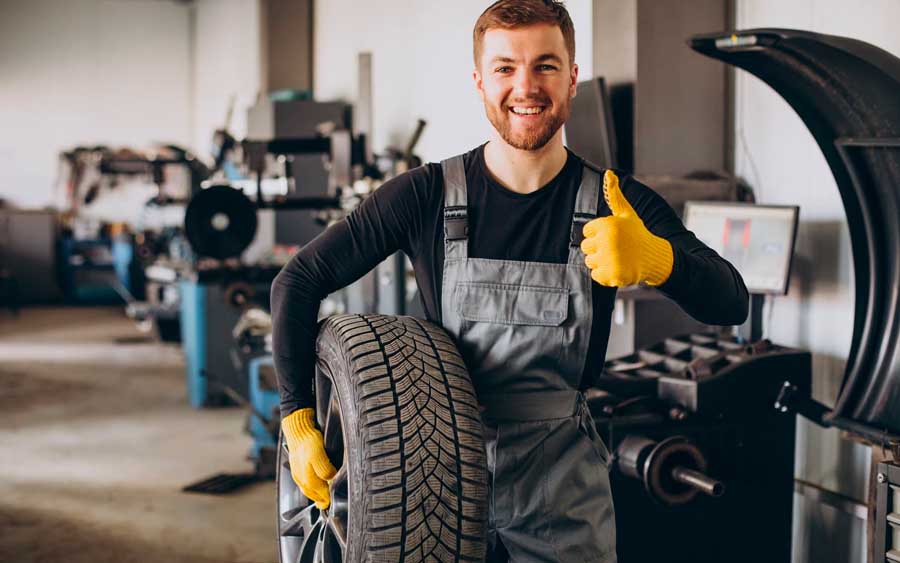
406, 214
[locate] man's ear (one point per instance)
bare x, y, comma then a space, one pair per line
479, 84
573, 83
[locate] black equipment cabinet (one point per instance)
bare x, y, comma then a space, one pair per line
887, 513
751, 521
707, 404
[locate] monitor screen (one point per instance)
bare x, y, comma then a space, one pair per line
757, 239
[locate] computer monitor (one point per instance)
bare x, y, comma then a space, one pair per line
757, 239
589, 129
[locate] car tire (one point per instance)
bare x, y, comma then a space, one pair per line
399, 415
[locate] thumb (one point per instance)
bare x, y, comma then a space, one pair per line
613, 195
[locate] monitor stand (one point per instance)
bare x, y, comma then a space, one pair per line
751, 330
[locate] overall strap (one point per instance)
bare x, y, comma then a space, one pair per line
456, 223
585, 210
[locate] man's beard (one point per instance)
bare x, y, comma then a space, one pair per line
533, 138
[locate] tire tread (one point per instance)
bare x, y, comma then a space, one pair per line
424, 469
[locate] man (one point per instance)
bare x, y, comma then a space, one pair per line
505, 241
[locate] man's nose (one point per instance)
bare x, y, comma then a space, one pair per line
525, 84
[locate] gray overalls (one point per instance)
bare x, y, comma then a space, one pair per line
523, 329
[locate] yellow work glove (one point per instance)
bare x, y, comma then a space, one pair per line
310, 466
619, 249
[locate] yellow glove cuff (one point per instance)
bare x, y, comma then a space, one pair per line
658, 260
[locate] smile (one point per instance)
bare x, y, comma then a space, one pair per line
534, 110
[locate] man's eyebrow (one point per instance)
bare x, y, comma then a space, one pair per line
541, 58
549, 57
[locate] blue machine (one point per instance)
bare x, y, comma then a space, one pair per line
265, 416
89, 269
211, 305
193, 340
213, 378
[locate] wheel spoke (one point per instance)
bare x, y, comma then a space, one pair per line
290, 551
320, 547
338, 534
309, 552
332, 550
339, 509
339, 485
299, 521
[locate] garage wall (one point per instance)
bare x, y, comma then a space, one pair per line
615, 40
422, 66
87, 72
226, 64
775, 152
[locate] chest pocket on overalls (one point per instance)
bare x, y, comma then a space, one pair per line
516, 325
512, 304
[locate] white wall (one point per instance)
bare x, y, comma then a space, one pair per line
615, 48
422, 66
86, 72
226, 64
776, 153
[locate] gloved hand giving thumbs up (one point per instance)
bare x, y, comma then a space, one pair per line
619, 249
310, 466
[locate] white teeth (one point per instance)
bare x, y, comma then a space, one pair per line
527, 111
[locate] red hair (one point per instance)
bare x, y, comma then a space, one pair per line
510, 14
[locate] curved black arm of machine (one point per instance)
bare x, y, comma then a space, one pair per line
846, 92
792, 399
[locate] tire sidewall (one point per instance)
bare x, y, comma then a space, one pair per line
333, 362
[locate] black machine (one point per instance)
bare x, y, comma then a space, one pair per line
700, 454
701, 459
225, 297
221, 222
701, 426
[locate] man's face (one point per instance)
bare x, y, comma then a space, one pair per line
526, 83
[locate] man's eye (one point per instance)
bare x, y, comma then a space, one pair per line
546, 67
503, 69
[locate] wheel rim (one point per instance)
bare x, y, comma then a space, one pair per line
307, 534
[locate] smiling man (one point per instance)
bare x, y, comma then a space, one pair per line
518, 252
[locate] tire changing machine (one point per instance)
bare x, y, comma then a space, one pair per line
703, 464
700, 427
701, 460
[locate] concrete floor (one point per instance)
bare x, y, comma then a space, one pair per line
96, 441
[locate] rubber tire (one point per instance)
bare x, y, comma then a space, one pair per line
413, 439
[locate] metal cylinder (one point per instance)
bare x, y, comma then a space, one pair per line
698, 481
631, 454
672, 470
